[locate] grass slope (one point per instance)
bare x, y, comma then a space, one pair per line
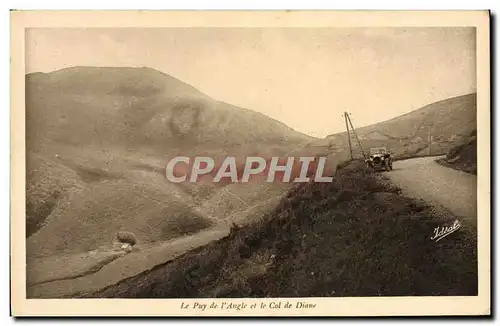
97, 143
90, 217
463, 157
132, 108
356, 236
449, 121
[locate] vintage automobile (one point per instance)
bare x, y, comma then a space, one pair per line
380, 159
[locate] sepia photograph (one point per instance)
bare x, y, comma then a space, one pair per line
237, 166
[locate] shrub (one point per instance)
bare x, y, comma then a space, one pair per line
126, 237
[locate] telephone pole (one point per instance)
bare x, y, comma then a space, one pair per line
430, 142
355, 135
348, 134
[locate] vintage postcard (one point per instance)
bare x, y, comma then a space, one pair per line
250, 163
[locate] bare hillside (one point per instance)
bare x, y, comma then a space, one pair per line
449, 122
463, 157
138, 107
97, 144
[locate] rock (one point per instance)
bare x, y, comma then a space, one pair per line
122, 246
126, 247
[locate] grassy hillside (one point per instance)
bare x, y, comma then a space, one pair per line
356, 236
142, 108
464, 156
449, 122
98, 140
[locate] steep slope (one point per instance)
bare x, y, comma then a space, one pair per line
356, 236
449, 122
138, 107
97, 144
464, 156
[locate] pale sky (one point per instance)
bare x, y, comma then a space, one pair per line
304, 77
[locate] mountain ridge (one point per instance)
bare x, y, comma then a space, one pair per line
409, 112
99, 137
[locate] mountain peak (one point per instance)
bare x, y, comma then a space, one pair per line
123, 81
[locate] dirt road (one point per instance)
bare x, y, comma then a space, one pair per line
120, 268
425, 178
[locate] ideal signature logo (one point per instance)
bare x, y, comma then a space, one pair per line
443, 231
